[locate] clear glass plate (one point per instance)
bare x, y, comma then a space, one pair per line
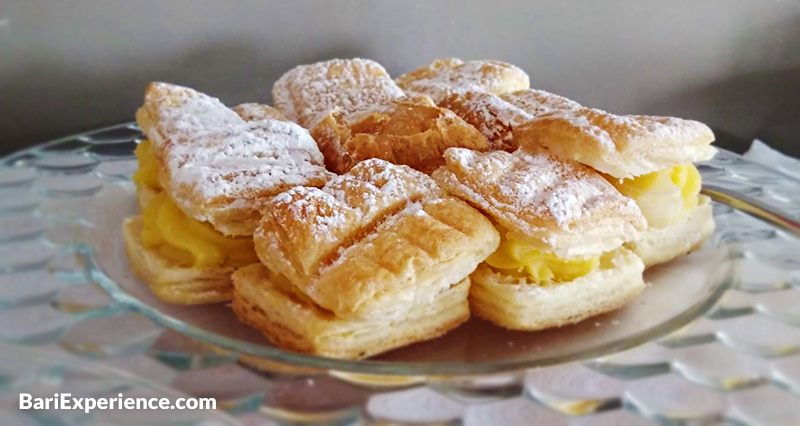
735, 362
677, 293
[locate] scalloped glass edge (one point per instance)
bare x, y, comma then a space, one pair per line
730, 198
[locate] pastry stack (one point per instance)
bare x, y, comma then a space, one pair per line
362, 213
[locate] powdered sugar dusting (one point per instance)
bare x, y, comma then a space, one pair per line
532, 187
446, 77
308, 93
612, 133
348, 207
209, 151
491, 115
538, 102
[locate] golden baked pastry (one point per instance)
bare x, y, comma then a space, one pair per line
376, 259
444, 77
204, 172
562, 227
646, 158
355, 111
216, 166
490, 114
409, 131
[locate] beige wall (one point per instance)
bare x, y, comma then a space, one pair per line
68, 66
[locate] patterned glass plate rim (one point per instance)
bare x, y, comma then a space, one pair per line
737, 200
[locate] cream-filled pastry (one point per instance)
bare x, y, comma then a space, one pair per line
561, 257
470, 89
444, 77
355, 111
204, 173
647, 158
378, 258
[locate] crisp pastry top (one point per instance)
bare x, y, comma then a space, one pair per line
412, 131
494, 117
348, 245
622, 146
256, 112
560, 207
307, 93
450, 75
216, 165
538, 102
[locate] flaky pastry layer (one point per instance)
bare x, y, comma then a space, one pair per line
308, 93
217, 166
444, 77
517, 304
659, 245
411, 131
622, 146
491, 115
171, 282
373, 241
554, 206
294, 324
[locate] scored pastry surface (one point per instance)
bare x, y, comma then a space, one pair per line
217, 166
411, 131
307, 93
622, 146
450, 75
557, 206
373, 241
355, 111
491, 115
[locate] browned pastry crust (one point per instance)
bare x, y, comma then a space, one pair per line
292, 324
538, 102
444, 77
171, 282
373, 242
258, 112
518, 304
355, 111
560, 207
621, 146
490, 114
410, 131
217, 166
307, 93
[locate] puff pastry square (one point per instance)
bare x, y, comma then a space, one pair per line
355, 111
622, 146
217, 166
555, 206
371, 248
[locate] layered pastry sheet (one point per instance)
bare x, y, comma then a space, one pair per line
562, 229
355, 111
447, 76
204, 173
647, 158
380, 249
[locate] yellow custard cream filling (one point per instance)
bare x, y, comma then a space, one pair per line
190, 242
147, 174
178, 237
665, 197
517, 258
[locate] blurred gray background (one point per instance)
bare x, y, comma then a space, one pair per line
70, 66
